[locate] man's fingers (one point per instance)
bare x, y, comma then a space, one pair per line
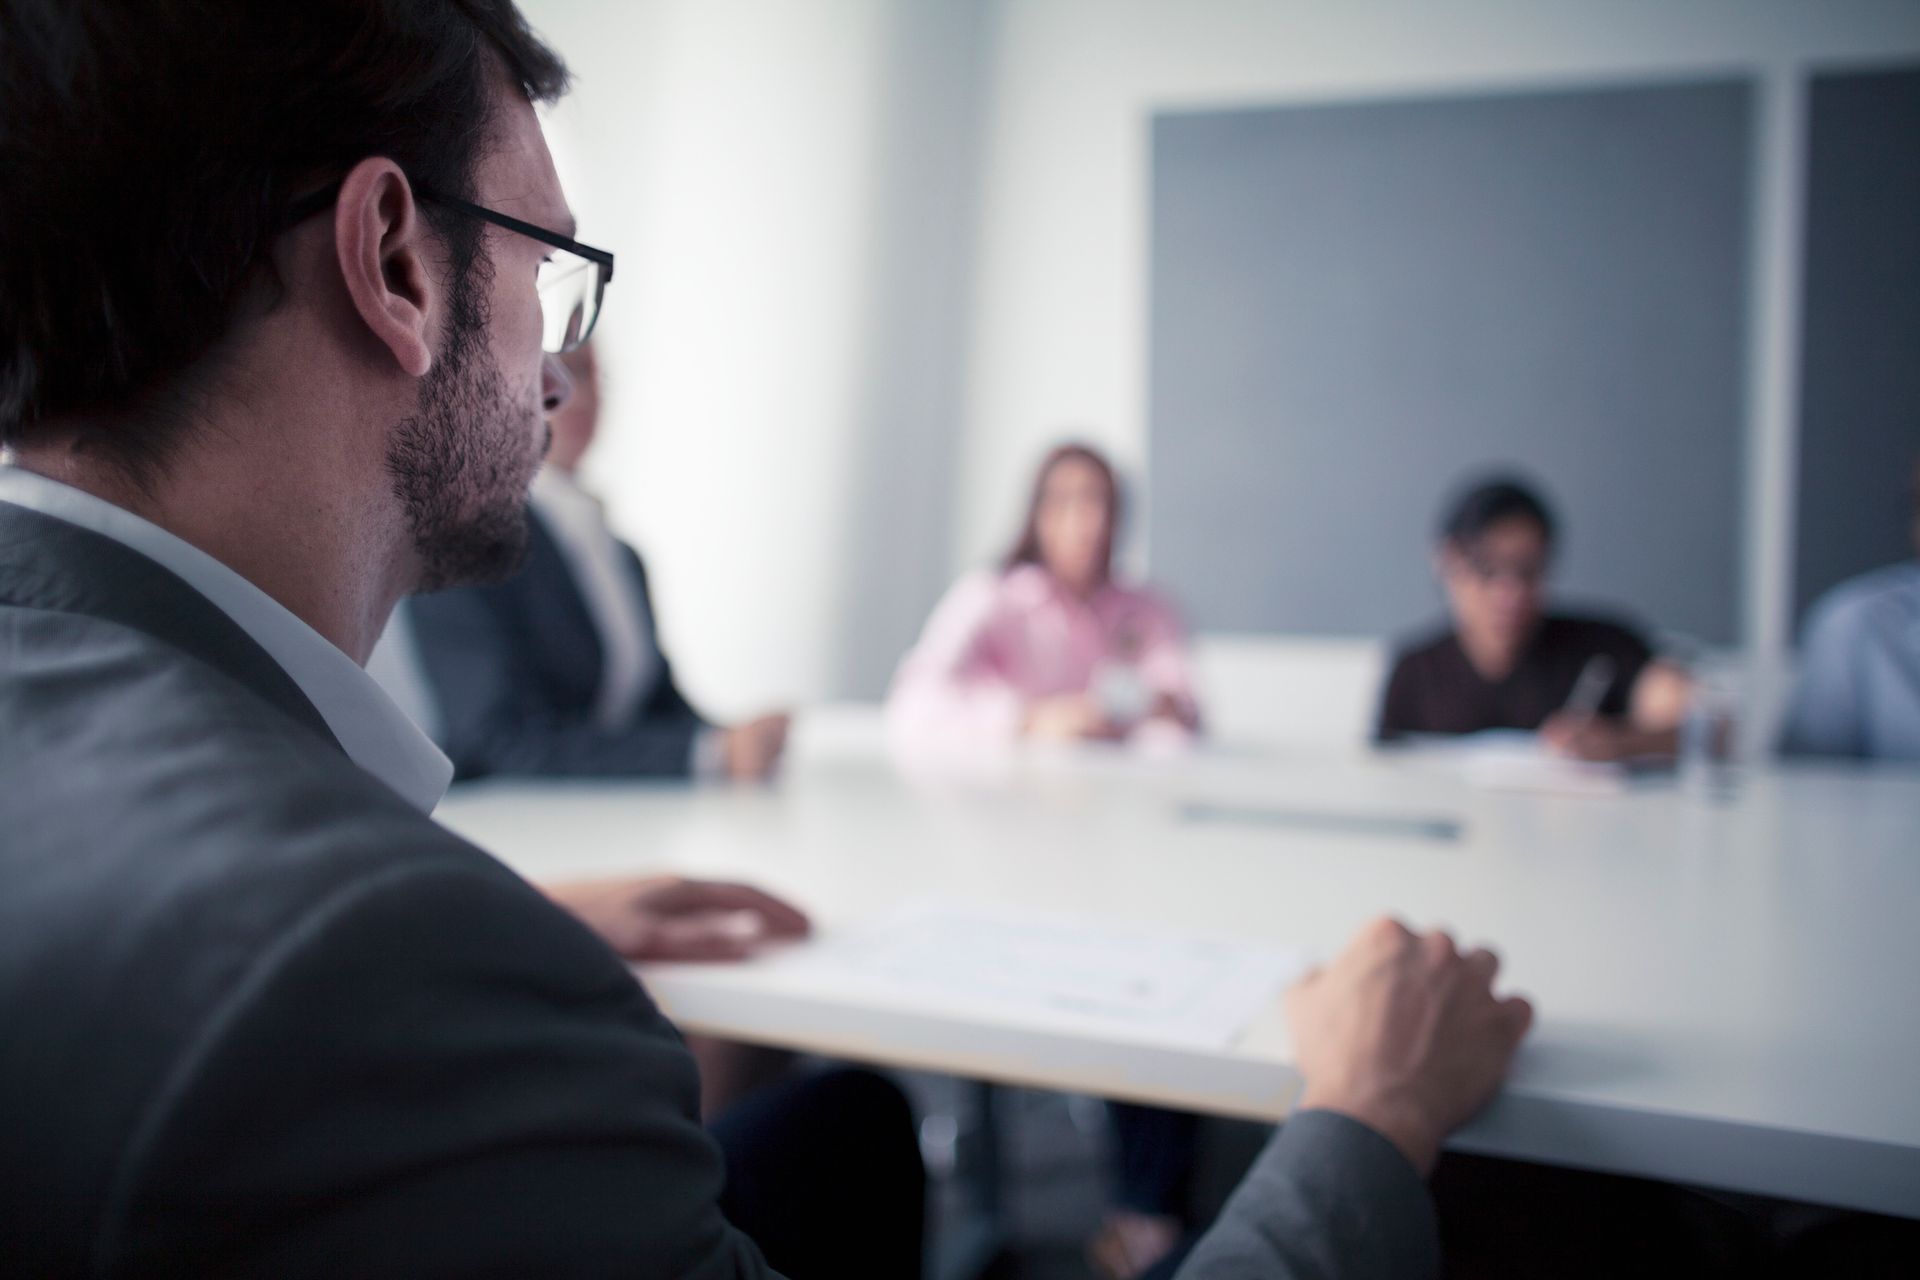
1383, 933
782, 919
1482, 964
662, 894
701, 938
1518, 1013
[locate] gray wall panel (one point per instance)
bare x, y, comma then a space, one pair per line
1356, 305
1860, 377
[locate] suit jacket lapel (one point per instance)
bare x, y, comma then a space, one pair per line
49, 564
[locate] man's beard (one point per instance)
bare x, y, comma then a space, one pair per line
462, 464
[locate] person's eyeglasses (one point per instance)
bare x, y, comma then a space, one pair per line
1522, 573
572, 280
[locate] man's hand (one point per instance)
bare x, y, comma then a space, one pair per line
667, 918
1068, 717
1603, 738
753, 749
1404, 1034
1583, 737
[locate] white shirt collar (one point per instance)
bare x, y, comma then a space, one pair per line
375, 733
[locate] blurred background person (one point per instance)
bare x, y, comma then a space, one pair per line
1593, 688
1859, 688
1049, 646
559, 671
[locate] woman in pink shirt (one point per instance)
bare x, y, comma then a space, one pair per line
1050, 647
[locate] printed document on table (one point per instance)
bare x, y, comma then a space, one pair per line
1056, 972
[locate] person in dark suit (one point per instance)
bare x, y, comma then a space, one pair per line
558, 670
1593, 687
264, 1016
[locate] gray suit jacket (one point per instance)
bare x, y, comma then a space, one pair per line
263, 1019
1328, 1199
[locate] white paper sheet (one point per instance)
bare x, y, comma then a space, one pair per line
1508, 760
1055, 971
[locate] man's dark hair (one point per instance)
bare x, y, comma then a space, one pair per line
1490, 501
149, 150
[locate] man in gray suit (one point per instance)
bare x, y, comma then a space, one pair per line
277, 293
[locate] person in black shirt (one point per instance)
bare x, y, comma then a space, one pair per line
1507, 663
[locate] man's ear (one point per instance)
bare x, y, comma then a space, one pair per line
381, 243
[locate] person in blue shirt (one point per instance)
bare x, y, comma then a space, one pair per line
1859, 688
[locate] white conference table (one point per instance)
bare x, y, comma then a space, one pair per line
1726, 990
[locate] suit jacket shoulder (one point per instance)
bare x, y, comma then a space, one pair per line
283, 1023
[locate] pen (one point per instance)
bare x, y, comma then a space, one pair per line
1595, 679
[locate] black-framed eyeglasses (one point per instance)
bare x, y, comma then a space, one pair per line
572, 280
1522, 573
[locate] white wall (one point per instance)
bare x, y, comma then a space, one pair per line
784, 186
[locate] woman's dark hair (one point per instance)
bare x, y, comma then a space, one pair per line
149, 150
1489, 501
1027, 549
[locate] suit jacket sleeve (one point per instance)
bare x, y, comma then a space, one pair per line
435, 1073
498, 715
1329, 1199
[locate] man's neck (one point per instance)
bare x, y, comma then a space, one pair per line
330, 567
1492, 660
